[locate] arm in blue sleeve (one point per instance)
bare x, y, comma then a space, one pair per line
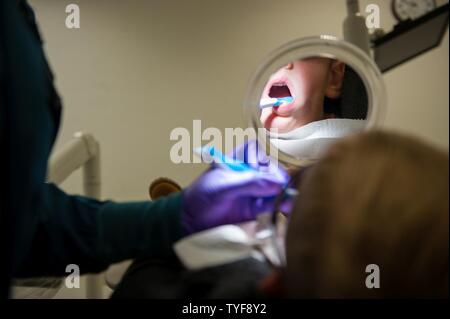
94, 234
42, 229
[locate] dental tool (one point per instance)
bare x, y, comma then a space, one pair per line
210, 154
265, 223
274, 101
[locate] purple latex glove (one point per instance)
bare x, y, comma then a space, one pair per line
220, 196
253, 154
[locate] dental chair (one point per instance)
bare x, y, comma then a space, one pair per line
81, 152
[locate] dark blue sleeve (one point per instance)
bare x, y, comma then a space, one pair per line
42, 229
93, 234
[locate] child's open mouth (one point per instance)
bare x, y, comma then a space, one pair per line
280, 90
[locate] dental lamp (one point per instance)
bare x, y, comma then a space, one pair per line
410, 37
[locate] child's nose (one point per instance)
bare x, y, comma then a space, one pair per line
289, 66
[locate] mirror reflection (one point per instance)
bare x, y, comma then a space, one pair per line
308, 102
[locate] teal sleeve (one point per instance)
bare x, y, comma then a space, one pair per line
93, 234
43, 229
139, 229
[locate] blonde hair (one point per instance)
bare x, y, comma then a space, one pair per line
377, 198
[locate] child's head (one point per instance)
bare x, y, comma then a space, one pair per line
376, 198
309, 82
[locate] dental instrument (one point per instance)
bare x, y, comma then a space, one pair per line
274, 102
211, 154
266, 223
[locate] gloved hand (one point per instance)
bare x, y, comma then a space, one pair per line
221, 196
253, 154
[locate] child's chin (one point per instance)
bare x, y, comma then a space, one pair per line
280, 125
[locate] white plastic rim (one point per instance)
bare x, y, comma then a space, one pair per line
318, 46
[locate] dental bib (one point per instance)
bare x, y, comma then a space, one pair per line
311, 140
219, 246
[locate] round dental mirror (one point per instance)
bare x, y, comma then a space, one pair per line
310, 92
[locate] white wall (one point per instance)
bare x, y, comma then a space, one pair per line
137, 69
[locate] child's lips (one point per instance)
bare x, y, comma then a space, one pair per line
285, 109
